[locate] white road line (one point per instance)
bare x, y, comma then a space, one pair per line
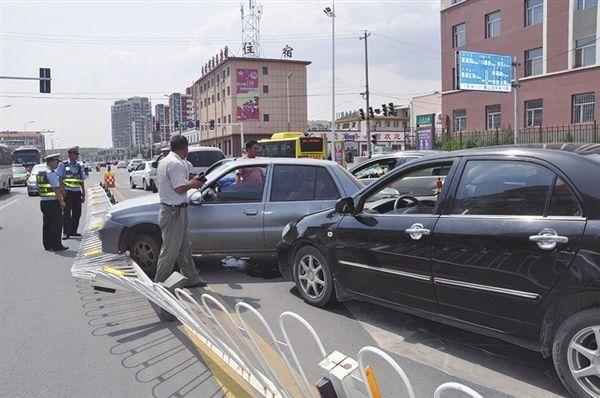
8, 204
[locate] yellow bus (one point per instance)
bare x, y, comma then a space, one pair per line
293, 145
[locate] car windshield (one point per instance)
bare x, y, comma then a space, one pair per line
217, 170
204, 158
19, 170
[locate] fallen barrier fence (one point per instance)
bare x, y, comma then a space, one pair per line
228, 333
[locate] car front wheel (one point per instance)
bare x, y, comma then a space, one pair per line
576, 353
145, 249
312, 276
145, 185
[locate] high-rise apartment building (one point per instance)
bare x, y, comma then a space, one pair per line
131, 122
160, 116
556, 43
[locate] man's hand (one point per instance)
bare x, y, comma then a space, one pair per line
195, 183
82, 197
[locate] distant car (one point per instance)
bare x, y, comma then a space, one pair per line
133, 163
20, 175
6, 171
140, 177
240, 220
122, 164
378, 166
32, 188
202, 157
102, 164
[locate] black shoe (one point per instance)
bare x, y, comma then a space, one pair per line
196, 283
60, 249
65, 237
76, 234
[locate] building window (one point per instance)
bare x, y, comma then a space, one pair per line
223, 75
460, 119
228, 118
492, 24
387, 123
459, 35
213, 98
534, 12
583, 4
534, 112
218, 97
265, 117
454, 79
265, 89
585, 51
218, 120
493, 115
228, 92
583, 108
396, 123
533, 62
228, 71
265, 70
223, 94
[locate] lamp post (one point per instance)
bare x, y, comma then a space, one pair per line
25, 126
287, 87
330, 12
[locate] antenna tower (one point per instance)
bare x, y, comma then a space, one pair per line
251, 28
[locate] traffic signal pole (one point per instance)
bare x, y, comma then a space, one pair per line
367, 115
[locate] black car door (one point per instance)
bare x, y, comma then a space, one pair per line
382, 251
510, 232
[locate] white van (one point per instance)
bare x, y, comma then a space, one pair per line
6, 173
202, 157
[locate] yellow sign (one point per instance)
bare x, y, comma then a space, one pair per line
95, 226
92, 252
110, 270
372, 382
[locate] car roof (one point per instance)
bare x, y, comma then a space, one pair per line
296, 161
203, 148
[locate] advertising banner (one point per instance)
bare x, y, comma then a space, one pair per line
357, 136
246, 90
485, 72
425, 131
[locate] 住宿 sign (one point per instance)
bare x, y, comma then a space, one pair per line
486, 72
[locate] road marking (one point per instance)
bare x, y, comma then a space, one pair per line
12, 202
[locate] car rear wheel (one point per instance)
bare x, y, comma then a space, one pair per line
576, 353
145, 185
145, 249
312, 276
131, 183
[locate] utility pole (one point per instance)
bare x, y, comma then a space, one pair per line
516, 85
367, 116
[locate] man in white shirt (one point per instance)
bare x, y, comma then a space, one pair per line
173, 176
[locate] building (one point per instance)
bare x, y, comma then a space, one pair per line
161, 121
319, 125
181, 110
426, 105
555, 43
131, 122
252, 92
14, 139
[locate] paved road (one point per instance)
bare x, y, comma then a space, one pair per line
59, 338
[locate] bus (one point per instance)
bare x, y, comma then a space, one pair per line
6, 173
28, 156
293, 145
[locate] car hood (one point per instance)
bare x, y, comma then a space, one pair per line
129, 204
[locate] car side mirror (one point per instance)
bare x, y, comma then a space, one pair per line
196, 198
345, 206
155, 164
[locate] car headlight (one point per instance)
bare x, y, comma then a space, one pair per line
286, 229
107, 218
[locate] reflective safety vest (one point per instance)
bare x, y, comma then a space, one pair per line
43, 184
72, 176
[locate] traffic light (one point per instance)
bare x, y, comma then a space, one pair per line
374, 139
211, 124
362, 114
384, 109
45, 80
371, 113
157, 125
378, 111
176, 124
197, 124
392, 111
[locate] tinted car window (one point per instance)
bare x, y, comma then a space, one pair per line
325, 188
563, 202
300, 183
204, 158
375, 169
503, 188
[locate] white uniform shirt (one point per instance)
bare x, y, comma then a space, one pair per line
172, 172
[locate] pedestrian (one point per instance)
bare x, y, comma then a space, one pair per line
249, 174
72, 176
173, 183
51, 204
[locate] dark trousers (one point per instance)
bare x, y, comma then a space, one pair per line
71, 212
51, 212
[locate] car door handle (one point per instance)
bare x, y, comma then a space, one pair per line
548, 239
251, 212
416, 231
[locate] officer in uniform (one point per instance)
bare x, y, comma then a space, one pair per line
72, 175
52, 203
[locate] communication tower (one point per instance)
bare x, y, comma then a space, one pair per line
251, 29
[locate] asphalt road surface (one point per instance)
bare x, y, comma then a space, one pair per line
59, 338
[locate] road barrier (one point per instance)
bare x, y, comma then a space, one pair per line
109, 179
259, 364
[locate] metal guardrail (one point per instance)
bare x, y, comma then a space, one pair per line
228, 333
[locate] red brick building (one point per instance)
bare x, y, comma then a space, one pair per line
556, 42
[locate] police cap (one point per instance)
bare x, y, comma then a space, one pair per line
54, 156
73, 149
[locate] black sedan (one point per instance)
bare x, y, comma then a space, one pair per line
500, 241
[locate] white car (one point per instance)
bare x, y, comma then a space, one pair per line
141, 176
122, 164
133, 163
32, 188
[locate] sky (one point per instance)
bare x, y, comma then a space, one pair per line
100, 51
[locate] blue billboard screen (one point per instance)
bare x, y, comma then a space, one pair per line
485, 72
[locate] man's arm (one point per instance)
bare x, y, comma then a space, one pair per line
191, 184
83, 177
59, 195
178, 176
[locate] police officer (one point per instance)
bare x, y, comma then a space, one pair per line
72, 176
51, 203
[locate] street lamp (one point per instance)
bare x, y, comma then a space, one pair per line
330, 12
5, 106
287, 87
25, 127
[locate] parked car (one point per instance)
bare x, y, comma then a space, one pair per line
133, 163
6, 171
372, 169
507, 246
140, 177
20, 175
240, 220
122, 164
32, 188
202, 157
